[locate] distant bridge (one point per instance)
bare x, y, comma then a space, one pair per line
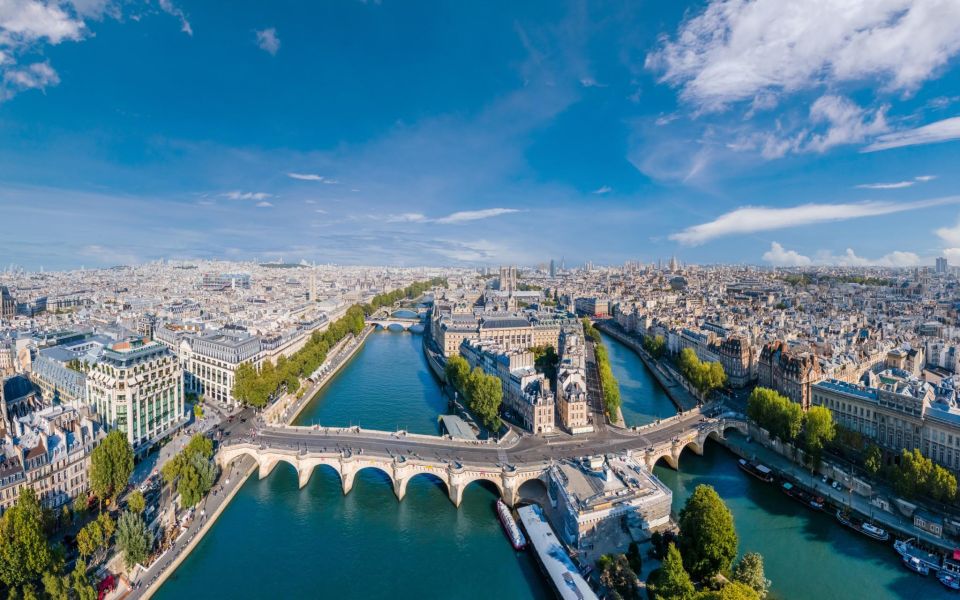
394, 322
457, 463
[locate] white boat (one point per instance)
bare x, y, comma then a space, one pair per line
949, 581
914, 564
908, 551
510, 527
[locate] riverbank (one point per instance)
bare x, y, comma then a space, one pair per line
167, 564
671, 383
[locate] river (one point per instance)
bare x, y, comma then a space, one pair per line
276, 540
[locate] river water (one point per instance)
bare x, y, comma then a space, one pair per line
275, 540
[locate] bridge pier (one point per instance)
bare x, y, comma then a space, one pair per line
266, 467
303, 475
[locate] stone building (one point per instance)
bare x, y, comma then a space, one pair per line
572, 402
137, 387
787, 371
739, 360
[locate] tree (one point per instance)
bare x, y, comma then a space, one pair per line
633, 555
485, 393
616, 575
133, 539
873, 460
731, 591
672, 582
708, 539
111, 464
136, 502
24, 552
90, 539
457, 371
941, 485
80, 584
818, 430
775, 413
749, 571
911, 478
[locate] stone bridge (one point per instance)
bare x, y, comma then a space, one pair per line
386, 322
455, 477
457, 464
695, 438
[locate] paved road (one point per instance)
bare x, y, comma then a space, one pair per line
529, 449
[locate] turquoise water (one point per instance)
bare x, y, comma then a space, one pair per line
808, 555
277, 541
643, 400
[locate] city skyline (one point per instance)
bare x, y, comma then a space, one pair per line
386, 133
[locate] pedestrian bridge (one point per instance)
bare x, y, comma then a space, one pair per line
458, 464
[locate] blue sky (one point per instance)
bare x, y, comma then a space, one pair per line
778, 132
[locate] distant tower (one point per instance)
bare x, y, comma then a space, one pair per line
553, 268
312, 292
673, 263
942, 266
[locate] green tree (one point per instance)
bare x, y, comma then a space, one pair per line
90, 539
731, 591
941, 485
55, 586
133, 539
749, 571
616, 575
111, 464
910, 479
818, 431
457, 371
873, 460
485, 393
80, 583
708, 539
136, 502
671, 581
24, 552
107, 525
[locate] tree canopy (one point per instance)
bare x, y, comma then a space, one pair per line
134, 539
672, 582
775, 413
749, 572
24, 552
704, 376
708, 539
111, 464
192, 470
618, 576
485, 394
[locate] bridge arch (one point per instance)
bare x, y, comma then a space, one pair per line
465, 480
434, 477
350, 470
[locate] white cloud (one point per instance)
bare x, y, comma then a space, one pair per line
750, 219
778, 256
739, 51
168, 7
847, 123
35, 76
268, 41
950, 235
264, 204
453, 218
473, 215
886, 186
25, 21
590, 82
932, 133
238, 195
407, 218
850, 259
604, 189
306, 176
897, 184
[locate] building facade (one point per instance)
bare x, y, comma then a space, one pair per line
137, 387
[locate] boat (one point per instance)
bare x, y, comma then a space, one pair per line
806, 498
916, 565
908, 551
862, 527
761, 472
949, 580
510, 527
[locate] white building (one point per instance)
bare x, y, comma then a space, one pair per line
137, 387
